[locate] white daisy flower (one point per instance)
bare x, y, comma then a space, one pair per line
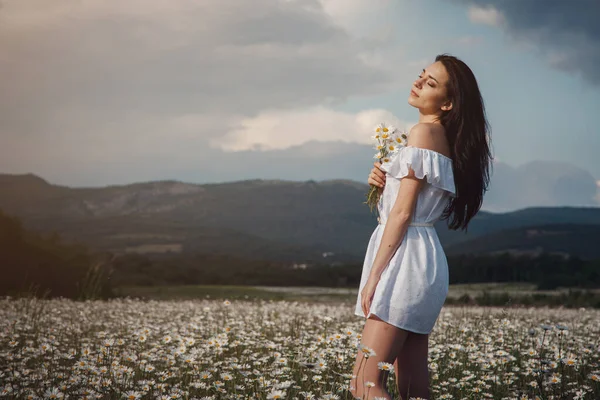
384, 366
367, 351
276, 394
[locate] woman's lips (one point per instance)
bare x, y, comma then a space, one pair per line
413, 93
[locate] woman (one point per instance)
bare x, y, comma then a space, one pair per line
441, 173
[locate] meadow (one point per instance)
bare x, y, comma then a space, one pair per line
483, 294
263, 344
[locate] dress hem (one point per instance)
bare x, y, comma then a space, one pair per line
394, 324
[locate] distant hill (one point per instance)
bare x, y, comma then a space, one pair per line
552, 238
272, 219
486, 223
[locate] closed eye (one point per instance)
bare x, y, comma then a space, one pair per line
429, 83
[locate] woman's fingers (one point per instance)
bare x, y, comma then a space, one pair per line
376, 177
364, 308
362, 301
377, 169
376, 181
379, 173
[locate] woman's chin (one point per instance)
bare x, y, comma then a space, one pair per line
410, 101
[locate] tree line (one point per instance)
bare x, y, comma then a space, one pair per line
46, 265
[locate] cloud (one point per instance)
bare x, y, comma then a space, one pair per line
97, 86
238, 56
363, 18
564, 33
276, 129
486, 16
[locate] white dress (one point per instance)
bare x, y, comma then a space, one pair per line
414, 284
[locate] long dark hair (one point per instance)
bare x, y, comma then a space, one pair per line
468, 133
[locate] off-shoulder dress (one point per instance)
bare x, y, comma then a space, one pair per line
414, 284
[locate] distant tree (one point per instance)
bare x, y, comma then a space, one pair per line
30, 262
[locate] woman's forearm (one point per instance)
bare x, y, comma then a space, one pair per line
393, 234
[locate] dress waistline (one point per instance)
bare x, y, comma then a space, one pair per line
411, 224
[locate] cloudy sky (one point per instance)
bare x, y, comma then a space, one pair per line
99, 92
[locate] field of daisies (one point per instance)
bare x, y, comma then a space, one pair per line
264, 349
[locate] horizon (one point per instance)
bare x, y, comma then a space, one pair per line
492, 209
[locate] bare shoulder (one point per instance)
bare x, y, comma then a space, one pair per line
429, 136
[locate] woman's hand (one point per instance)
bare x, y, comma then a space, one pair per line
367, 295
377, 176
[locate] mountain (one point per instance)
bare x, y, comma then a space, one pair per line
532, 184
562, 239
272, 219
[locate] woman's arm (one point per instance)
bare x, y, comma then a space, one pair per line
401, 213
397, 223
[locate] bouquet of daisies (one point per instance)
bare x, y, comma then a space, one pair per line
388, 140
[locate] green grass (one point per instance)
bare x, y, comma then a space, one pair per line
226, 292
515, 291
517, 288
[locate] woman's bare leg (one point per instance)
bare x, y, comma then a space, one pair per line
412, 373
386, 341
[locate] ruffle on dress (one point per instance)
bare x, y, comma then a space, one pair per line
425, 162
